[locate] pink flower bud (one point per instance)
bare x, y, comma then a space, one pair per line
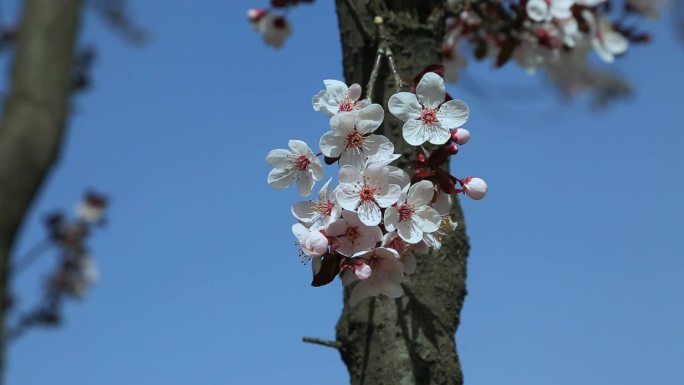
452, 149
314, 244
362, 271
254, 14
460, 135
475, 188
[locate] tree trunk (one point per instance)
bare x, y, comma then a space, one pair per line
33, 120
410, 340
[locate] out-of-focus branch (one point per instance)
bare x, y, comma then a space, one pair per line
34, 118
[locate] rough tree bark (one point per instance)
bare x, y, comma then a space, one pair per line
409, 340
33, 121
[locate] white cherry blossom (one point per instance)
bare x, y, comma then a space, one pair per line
351, 138
385, 278
337, 97
412, 216
606, 41
352, 236
299, 163
318, 215
427, 117
545, 10
312, 242
365, 192
274, 29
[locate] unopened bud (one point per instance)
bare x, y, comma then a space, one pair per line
421, 158
452, 149
254, 14
475, 188
460, 135
362, 271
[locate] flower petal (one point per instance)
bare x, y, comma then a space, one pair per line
349, 174
421, 193
390, 196
331, 144
347, 196
305, 183
427, 219
430, 90
414, 132
279, 158
280, 178
369, 214
370, 118
404, 105
453, 114
298, 146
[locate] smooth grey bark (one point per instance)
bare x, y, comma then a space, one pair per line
410, 340
33, 121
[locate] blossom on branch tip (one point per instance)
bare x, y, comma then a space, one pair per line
427, 117
299, 163
337, 97
365, 192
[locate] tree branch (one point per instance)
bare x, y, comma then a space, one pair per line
320, 341
35, 113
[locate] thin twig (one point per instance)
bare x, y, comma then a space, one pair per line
362, 27
31, 256
374, 75
320, 341
390, 61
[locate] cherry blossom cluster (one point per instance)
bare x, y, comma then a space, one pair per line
272, 23
75, 271
555, 36
371, 226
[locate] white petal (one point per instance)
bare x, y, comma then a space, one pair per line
537, 10
316, 168
399, 177
354, 92
343, 123
298, 146
349, 174
404, 105
377, 173
304, 211
378, 145
354, 158
390, 197
414, 133
430, 90
421, 193
409, 232
615, 43
279, 158
370, 118
427, 219
438, 134
280, 178
331, 144
369, 214
347, 196
453, 114
299, 231
361, 291
391, 218
305, 183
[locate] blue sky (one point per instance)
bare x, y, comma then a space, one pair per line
576, 262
